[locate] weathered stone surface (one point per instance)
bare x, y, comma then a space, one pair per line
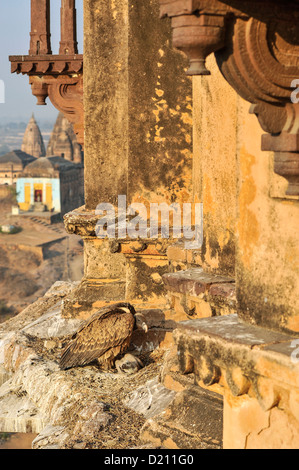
51, 437
194, 293
61, 288
65, 405
256, 368
52, 325
129, 364
193, 420
232, 329
194, 281
63, 141
170, 375
17, 412
215, 168
33, 142
150, 399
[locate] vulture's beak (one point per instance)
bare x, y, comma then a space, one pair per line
141, 323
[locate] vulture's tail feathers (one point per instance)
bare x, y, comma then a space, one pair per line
68, 359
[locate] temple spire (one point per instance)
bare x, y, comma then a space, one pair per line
33, 142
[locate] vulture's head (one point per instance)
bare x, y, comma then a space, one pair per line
140, 323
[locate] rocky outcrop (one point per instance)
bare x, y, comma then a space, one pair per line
79, 408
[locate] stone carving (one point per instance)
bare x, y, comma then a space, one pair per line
242, 359
256, 46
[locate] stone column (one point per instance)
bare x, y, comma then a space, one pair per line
215, 166
138, 132
268, 237
68, 43
40, 27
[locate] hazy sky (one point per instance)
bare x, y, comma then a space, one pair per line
14, 40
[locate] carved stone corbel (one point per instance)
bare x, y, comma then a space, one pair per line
256, 45
59, 80
67, 97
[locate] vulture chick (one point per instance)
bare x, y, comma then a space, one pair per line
103, 337
129, 364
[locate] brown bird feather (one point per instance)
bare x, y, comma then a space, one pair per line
103, 337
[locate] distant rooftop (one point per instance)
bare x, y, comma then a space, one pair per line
48, 166
17, 157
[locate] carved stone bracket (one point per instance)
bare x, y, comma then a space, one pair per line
59, 79
257, 47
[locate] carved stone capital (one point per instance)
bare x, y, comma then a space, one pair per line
256, 46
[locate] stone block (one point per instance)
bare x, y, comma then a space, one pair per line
193, 420
193, 282
150, 399
194, 293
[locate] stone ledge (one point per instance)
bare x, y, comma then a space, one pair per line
84, 222
150, 399
193, 281
17, 412
196, 294
243, 358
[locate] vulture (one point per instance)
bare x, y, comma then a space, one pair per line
103, 337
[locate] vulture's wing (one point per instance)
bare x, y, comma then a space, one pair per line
101, 333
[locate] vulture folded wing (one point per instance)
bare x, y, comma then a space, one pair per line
99, 335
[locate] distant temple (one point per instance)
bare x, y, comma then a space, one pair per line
50, 184
12, 165
63, 141
46, 181
33, 142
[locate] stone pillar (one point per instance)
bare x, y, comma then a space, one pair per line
138, 133
68, 43
215, 166
266, 234
138, 112
40, 27
253, 355
268, 237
